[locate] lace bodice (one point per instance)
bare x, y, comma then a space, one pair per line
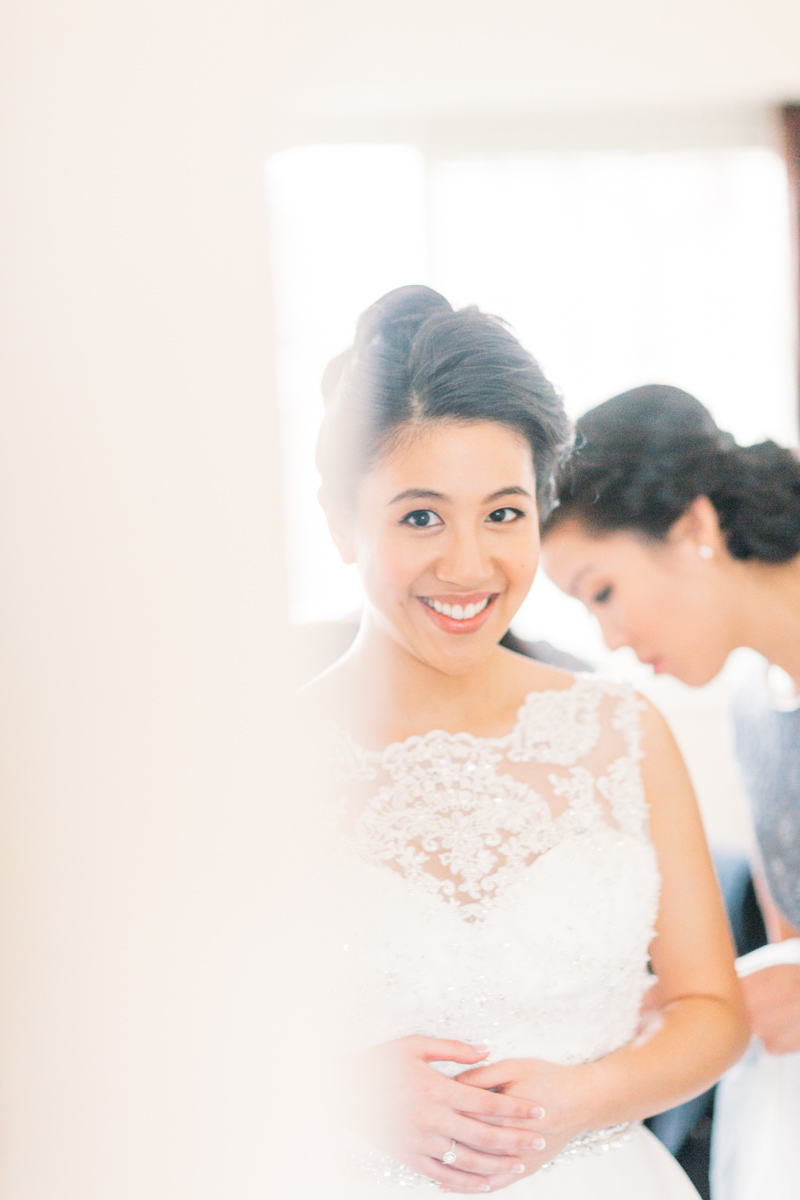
499, 889
464, 817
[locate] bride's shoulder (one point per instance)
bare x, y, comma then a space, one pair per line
527, 675
605, 701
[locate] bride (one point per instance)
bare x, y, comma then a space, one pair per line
516, 845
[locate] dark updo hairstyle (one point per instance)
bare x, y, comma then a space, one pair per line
416, 361
641, 458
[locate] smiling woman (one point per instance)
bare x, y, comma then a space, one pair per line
460, 417
513, 842
465, 611
461, 567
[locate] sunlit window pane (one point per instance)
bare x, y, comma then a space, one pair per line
615, 268
618, 269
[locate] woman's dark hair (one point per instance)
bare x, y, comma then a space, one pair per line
416, 361
641, 458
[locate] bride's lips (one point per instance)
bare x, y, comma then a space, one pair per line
482, 601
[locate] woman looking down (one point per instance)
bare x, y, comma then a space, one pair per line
686, 546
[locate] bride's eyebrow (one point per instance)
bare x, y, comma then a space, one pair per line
429, 494
509, 491
418, 494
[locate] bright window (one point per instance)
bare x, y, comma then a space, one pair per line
615, 269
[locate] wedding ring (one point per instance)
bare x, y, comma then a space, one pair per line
450, 1157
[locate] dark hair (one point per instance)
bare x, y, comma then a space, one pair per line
641, 458
415, 361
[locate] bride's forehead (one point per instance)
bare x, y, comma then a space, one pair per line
460, 450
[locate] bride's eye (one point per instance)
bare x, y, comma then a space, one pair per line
501, 516
422, 518
603, 595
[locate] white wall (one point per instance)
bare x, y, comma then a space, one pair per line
141, 601
436, 57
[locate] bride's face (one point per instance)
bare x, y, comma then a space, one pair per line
446, 537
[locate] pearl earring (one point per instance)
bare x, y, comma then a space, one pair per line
705, 551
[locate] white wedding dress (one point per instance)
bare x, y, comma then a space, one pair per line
505, 890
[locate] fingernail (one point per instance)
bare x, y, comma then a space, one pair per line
538, 1143
518, 1169
482, 1047
484, 1188
537, 1112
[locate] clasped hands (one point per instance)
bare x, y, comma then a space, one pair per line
507, 1119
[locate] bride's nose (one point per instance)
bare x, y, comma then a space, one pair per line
465, 560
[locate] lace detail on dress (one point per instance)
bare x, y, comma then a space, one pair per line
557, 727
462, 817
500, 889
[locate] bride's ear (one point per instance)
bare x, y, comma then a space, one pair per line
341, 525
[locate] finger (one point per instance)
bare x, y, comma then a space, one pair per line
494, 1183
455, 1180
442, 1050
482, 1103
495, 1139
476, 1163
498, 1182
515, 1122
494, 1075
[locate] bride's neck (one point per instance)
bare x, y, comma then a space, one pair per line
393, 692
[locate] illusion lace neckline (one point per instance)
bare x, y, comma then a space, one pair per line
463, 817
463, 737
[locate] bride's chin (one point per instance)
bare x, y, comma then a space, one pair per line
460, 657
